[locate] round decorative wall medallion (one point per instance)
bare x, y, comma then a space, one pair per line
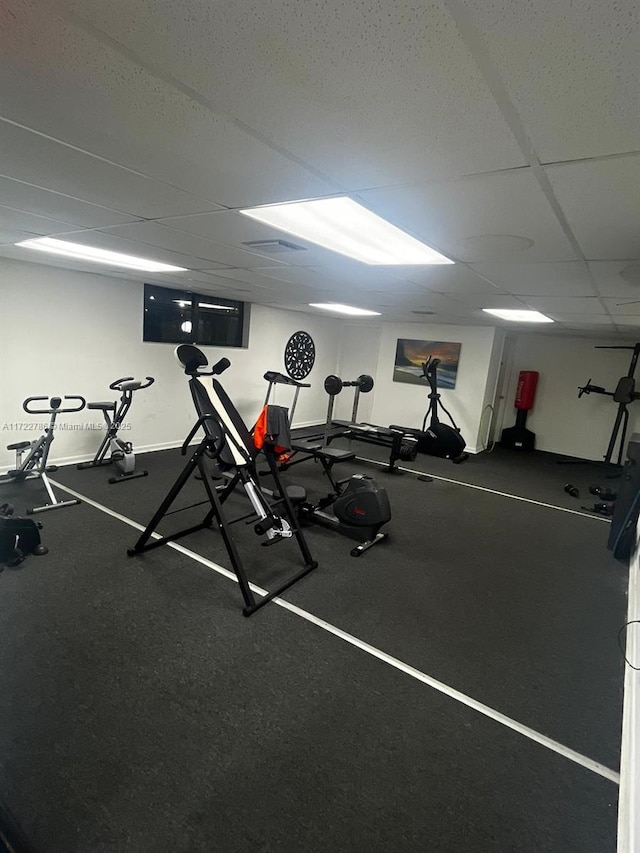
299, 355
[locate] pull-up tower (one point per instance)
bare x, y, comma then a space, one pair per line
624, 394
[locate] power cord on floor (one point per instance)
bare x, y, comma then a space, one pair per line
622, 651
490, 444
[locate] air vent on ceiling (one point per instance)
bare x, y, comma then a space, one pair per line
274, 247
423, 312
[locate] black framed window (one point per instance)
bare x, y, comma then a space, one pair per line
181, 316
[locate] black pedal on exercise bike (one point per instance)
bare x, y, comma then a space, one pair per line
121, 453
34, 465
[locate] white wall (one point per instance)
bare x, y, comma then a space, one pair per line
562, 422
65, 332
372, 350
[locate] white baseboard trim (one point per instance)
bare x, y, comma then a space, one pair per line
629, 797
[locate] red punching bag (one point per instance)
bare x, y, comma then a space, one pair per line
518, 437
526, 390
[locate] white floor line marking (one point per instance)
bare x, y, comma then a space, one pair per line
491, 491
411, 671
629, 799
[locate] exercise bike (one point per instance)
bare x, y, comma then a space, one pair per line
437, 439
121, 453
34, 465
356, 507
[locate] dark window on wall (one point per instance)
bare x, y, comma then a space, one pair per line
180, 316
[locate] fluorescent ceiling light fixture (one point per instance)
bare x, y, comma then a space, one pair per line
346, 227
217, 307
344, 309
183, 304
100, 256
518, 315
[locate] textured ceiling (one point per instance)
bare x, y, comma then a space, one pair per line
505, 133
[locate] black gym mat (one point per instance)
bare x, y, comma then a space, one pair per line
513, 604
141, 712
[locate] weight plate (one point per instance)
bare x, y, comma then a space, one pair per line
299, 355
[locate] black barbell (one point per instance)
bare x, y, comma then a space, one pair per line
333, 384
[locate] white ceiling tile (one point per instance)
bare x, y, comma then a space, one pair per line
469, 219
616, 278
581, 319
72, 93
451, 278
569, 278
37, 160
40, 202
632, 320
10, 219
622, 307
352, 89
601, 201
156, 234
10, 236
565, 304
473, 301
107, 240
571, 69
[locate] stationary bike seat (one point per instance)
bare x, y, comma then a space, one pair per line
110, 406
21, 445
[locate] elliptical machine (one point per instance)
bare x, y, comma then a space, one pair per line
437, 439
34, 465
121, 453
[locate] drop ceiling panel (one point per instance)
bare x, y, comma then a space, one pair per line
10, 218
106, 240
156, 234
617, 278
571, 69
35, 159
633, 321
622, 308
40, 202
173, 237
475, 219
581, 319
235, 230
350, 88
475, 301
601, 201
570, 278
10, 236
565, 304
451, 278
85, 85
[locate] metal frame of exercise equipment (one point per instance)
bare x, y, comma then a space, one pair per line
624, 394
228, 443
34, 466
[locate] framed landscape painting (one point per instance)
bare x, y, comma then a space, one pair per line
411, 355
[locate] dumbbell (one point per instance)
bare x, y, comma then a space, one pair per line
603, 494
333, 384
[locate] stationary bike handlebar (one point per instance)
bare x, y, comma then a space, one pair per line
54, 405
128, 383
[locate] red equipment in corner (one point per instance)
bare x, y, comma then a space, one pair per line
518, 437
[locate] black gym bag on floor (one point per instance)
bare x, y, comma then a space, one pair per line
19, 537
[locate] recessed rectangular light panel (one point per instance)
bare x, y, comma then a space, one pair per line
101, 256
518, 315
344, 226
344, 309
